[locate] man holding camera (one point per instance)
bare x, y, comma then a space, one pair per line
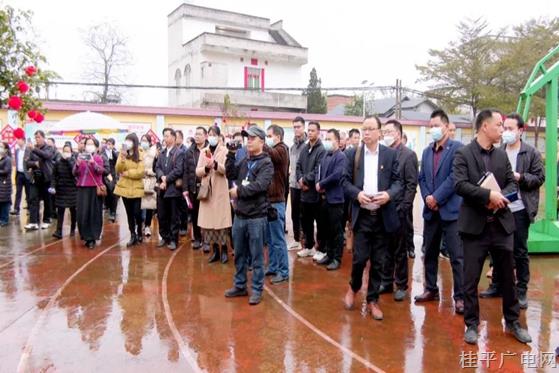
252, 178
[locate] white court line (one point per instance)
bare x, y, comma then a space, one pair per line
28, 348
31, 252
323, 335
191, 360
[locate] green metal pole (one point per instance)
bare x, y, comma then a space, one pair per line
551, 150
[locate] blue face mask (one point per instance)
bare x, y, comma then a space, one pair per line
212, 140
509, 137
436, 133
328, 146
270, 141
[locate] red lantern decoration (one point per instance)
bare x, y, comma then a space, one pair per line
30, 70
32, 114
39, 117
19, 133
15, 102
22, 86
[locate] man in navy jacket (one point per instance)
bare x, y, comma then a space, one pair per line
436, 180
329, 186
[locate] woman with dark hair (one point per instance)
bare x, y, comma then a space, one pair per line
130, 186
5, 183
149, 200
214, 217
64, 188
88, 171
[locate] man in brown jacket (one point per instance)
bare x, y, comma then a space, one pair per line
278, 265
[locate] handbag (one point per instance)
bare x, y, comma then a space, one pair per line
205, 190
101, 190
149, 185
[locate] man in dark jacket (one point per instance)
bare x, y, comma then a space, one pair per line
395, 268
191, 183
440, 213
252, 178
485, 221
39, 166
373, 184
168, 170
277, 245
329, 186
299, 139
21, 153
183, 208
527, 167
110, 155
307, 169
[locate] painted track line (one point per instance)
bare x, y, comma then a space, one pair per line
191, 360
28, 348
31, 252
321, 334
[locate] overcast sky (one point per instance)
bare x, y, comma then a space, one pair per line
349, 41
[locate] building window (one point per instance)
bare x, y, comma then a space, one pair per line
178, 77
187, 71
254, 78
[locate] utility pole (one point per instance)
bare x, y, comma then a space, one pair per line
398, 111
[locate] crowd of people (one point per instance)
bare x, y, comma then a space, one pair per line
479, 200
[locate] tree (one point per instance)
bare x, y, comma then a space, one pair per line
21, 79
108, 59
355, 107
316, 101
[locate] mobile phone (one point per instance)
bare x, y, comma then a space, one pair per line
512, 196
85, 156
124, 147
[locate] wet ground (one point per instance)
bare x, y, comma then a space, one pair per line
65, 308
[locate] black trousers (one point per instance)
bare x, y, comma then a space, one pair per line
520, 253
169, 218
395, 266
334, 231
149, 217
409, 244
37, 192
21, 183
60, 218
493, 239
296, 212
194, 218
433, 232
311, 212
183, 212
111, 201
370, 242
133, 207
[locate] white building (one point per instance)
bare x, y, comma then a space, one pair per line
217, 48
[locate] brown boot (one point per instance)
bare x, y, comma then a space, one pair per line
349, 299
375, 311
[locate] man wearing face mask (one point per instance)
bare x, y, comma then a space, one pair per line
436, 181
527, 167
277, 246
486, 222
110, 156
395, 268
329, 185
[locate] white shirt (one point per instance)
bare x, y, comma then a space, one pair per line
517, 205
20, 155
169, 150
109, 153
370, 179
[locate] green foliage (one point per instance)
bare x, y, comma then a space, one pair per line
355, 107
316, 101
16, 53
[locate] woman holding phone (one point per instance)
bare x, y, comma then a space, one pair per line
149, 200
88, 171
130, 186
214, 217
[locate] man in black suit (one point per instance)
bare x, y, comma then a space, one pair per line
110, 155
395, 268
486, 222
169, 169
183, 208
373, 184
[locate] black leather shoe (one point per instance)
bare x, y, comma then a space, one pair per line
254, 299
133, 241
236, 292
334, 265
427, 296
519, 333
215, 255
324, 261
224, 256
491, 292
57, 234
90, 244
470, 337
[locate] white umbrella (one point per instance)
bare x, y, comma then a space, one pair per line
88, 121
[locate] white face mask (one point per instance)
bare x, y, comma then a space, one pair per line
212, 140
436, 133
90, 149
328, 145
129, 144
66, 155
270, 141
509, 137
389, 140
145, 145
